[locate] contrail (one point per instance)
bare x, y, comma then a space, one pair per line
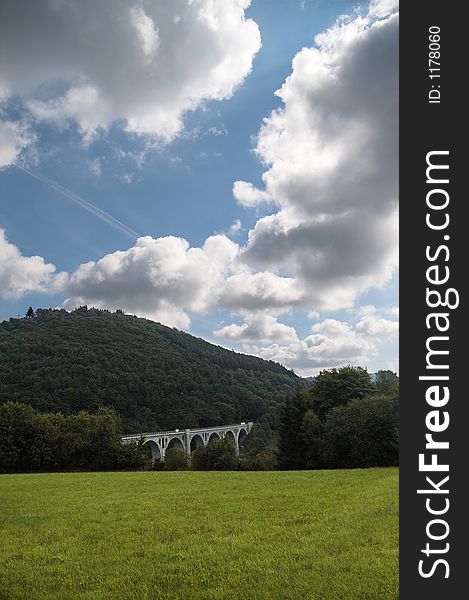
94, 210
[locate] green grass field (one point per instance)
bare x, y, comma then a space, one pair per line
200, 535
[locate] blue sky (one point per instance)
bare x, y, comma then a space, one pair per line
164, 161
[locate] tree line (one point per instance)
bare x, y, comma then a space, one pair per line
34, 441
345, 420
31, 441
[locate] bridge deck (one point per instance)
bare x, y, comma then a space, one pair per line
129, 436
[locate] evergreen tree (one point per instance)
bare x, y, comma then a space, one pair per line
291, 442
312, 430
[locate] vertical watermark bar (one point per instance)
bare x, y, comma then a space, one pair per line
433, 251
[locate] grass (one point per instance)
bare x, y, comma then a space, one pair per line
200, 536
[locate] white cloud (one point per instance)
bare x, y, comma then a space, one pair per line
235, 228
216, 131
368, 309
156, 274
332, 343
249, 196
95, 166
245, 290
139, 62
258, 328
332, 157
14, 138
20, 274
377, 327
330, 154
147, 31
157, 278
381, 8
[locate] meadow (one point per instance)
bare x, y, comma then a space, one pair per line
200, 535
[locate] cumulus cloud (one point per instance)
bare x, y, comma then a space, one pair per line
14, 138
332, 343
139, 62
235, 228
20, 274
393, 311
156, 278
377, 327
163, 278
330, 154
332, 157
249, 196
258, 328
246, 290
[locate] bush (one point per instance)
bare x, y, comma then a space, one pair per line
199, 460
219, 455
265, 460
364, 433
176, 460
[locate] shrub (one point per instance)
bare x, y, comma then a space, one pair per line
264, 460
176, 460
219, 455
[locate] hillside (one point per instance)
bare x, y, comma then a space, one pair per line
154, 376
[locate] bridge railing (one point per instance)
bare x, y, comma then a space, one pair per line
182, 431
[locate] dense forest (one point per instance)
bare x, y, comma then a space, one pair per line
154, 377
344, 420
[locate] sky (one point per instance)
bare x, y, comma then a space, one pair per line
224, 167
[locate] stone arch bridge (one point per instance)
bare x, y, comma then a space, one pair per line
189, 439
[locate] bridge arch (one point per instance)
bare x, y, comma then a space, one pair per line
242, 435
154, 449
196, 442
175, 442
158, 442
213, 436
230, 436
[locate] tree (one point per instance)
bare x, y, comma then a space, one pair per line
34, 441
218, 455
291, 443
199, 461
258, 438
17, 434
387, 383
30, 313
155, 377
176, 459
264, 460
336, 387
312, 431
363, 433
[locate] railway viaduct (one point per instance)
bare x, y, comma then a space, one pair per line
189, 439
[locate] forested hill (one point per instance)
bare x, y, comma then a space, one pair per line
154, 376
